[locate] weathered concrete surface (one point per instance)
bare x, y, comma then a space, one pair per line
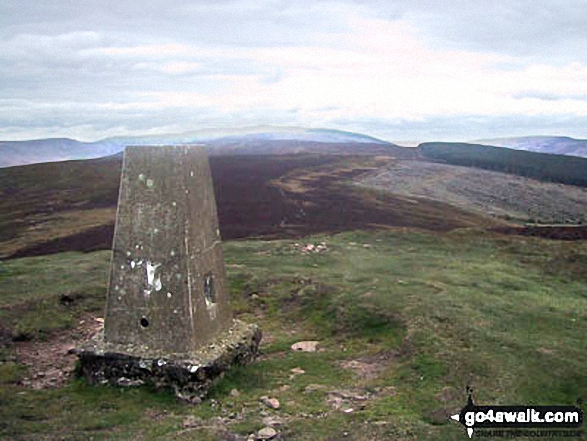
167, 291
168, 321
189, 376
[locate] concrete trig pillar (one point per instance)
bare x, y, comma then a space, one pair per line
167, 287
168, 321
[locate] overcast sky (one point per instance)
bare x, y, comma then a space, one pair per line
399, 70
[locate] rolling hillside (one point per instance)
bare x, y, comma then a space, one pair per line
506, 196
54, 207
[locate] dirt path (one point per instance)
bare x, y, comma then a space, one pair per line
50, 363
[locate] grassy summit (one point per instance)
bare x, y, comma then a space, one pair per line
405, 320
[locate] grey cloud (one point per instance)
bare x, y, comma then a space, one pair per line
74, 67
237, 23
539, 29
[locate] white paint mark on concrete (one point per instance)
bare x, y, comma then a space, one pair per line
153, 279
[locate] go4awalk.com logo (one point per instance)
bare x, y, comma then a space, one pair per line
517, 421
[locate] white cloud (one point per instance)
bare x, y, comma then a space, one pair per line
380, 69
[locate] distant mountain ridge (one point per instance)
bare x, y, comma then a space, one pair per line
246, 141
559, 145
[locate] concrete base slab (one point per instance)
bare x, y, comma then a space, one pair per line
188, 375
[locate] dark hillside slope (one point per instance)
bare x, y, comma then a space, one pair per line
547, 167
71, 206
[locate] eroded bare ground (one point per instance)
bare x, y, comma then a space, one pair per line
499, 194
50, 363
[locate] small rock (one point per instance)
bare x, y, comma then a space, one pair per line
273, 420
191, 421
266, 433
272, 403
305, 346
298, 371
284, 387
314, 387
127, 382
234, 393
350, 410
99, 319
334, 401
349, 395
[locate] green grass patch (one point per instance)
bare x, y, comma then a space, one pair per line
43, 295
439, 312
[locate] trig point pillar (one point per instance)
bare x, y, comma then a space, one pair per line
167, 286
167, 303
